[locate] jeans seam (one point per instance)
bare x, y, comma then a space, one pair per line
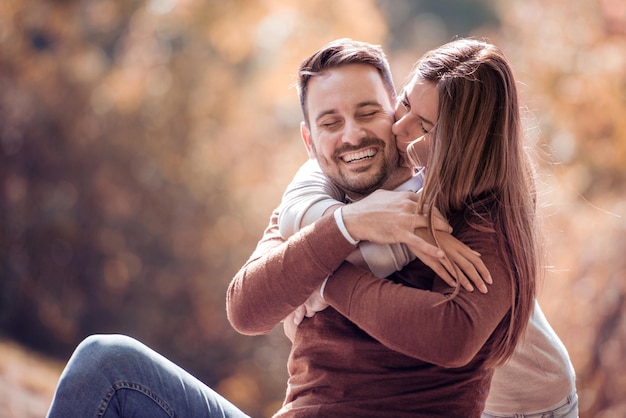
139, 388
105, 402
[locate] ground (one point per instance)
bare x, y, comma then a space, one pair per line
27, 381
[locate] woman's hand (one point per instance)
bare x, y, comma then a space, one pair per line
291, 322
461, 263
314, 304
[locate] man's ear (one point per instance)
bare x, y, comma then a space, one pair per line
305, 133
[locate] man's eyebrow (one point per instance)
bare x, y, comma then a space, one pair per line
368, 103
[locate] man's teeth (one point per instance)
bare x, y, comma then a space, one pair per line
361, 155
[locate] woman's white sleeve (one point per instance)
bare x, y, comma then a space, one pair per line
385, 259
306, 199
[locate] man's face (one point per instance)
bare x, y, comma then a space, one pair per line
350, 114
416, 114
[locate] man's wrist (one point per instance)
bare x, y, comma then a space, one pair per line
342, 227
323, 286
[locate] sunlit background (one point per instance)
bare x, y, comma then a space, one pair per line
143, 145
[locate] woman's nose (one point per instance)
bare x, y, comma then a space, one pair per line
398, 126
398, 129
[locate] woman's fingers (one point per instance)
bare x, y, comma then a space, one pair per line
440, 270
467, 263
421, 248
441, 223
298, 314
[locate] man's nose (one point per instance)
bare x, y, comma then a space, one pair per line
354, 133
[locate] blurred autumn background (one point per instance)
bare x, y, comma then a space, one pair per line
144, 143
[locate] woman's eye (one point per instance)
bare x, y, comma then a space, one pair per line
424, 130
405, 104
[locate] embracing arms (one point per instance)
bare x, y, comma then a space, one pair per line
429, 325
310, 195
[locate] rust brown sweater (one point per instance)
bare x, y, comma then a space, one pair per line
385, 347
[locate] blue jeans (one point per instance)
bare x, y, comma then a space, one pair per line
116, 376
568, 408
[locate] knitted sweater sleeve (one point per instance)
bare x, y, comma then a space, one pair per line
281, 274
431, 325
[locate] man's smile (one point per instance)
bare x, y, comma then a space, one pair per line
358, 156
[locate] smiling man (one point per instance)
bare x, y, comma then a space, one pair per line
350, 113
382, 348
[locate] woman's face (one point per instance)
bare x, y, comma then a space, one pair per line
416, 115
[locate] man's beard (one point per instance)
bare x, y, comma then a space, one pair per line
369, 182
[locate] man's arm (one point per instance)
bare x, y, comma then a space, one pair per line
306, 199
281, 274
429, 325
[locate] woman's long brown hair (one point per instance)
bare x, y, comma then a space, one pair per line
478, 155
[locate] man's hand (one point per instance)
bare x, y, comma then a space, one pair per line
388, 217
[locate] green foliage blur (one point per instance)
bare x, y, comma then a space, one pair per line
143, 145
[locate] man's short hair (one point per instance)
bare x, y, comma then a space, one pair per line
340, 52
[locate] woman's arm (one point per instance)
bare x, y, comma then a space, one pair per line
432, 325
310, 195
306, 199
281, 274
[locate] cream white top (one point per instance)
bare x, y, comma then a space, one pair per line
537, 377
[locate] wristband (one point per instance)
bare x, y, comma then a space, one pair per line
342, 227
323, 286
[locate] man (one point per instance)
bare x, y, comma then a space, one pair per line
337, 369
349, 360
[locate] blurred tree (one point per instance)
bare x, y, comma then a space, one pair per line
417, 26
570, 58
576, 59
142, 147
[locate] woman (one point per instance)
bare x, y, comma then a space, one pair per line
539, 377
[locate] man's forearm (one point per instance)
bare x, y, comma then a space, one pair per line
280, 275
